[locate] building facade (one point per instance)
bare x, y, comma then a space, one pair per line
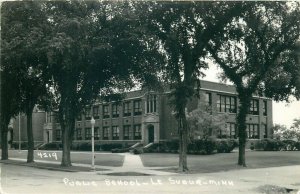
146, 116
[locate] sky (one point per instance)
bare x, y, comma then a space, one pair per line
283, 113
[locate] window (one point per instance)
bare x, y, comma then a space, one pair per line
88, 113
207, 99
137, 107
115, 132
105, 111
226, 104
208, 102
78, 134
137, 132
232, 130
264, 130
126, 130
88, 133
96, 133
253, 109
58, 135
151, 103
252, 131
96, 113
126, 108
105, 133
265, 108
115, 111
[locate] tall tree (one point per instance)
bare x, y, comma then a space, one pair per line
257, 53
94, 50
24, 33
183, 30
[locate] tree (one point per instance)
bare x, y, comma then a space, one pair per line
183, 30
24, 32
278, 131
9, 104
256, 53
94, 50
202, 123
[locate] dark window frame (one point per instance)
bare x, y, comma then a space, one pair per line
115, 132
126, 109
87, 133
77, 134
58, 135
105, 111
126, 130
115, 110
137, 106
254, 107
226, 103
252, 131
137, 129
105, 133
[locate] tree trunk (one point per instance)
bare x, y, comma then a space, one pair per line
67, 135
241, 118
183, 136
4, 143
66, 143
183, 151
30, 143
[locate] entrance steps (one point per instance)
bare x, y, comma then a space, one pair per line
148, 145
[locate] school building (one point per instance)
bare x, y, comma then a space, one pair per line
146, 116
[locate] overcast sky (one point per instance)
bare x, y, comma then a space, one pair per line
283, 113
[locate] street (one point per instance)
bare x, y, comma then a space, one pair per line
22, 179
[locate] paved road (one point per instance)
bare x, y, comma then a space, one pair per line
23, 180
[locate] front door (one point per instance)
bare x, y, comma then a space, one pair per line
150, 134
48, 137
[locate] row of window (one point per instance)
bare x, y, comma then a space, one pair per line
229, 104
136, 133
137, 110
252, 131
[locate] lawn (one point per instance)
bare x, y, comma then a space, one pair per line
222, 162
103, 159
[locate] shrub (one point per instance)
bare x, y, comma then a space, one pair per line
202, 146
24, 145
120, 150
51, 146
109, 147
172, 146
226, 145
268, 145
289, 145
85, 146
137, 151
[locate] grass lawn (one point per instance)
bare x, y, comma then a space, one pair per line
103, 159
222, 162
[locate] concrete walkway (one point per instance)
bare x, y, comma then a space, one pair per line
132, 164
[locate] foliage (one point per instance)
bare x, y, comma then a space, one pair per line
204, 124
226, 145
51, 146
283, 133
257, 53
109, 147
183, 30
203, 146
268, 145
